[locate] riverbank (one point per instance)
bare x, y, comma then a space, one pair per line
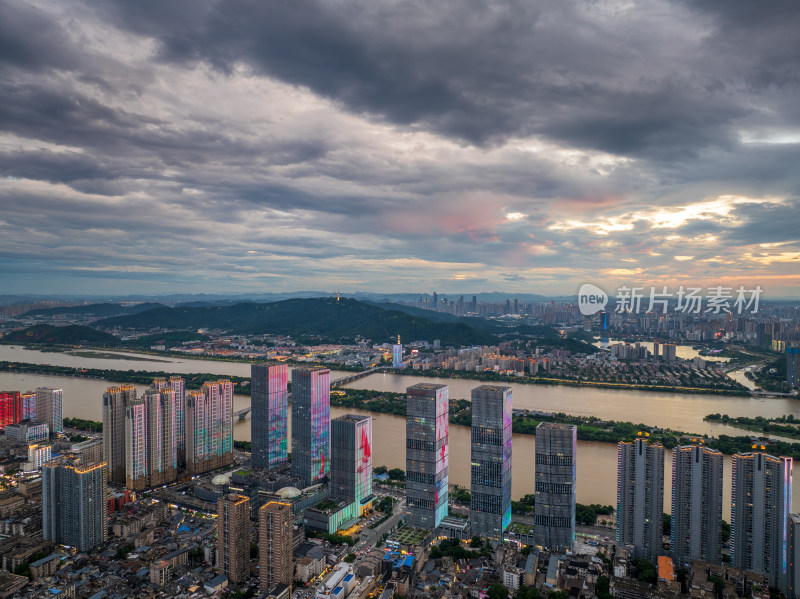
785, 426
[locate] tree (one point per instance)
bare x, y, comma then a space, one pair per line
350, 558
497, 591
380, 470
527, 592
397, 474
475, 542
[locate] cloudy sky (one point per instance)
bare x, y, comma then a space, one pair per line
398, 145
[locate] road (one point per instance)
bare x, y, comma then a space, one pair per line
371, 536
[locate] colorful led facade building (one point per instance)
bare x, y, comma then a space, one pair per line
761, 500
793, 557
640, 496
311, 424
269, 399
49, 408
178, 387
233, 537
397, 354
136, 441
74, 509
275, 545
162, 451
114, 401
696, 530
555, 476
427, 457
29, 406
209, 427
490, 470
10, 408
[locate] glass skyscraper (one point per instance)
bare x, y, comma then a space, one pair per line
269, 421
490, 470
427, 457
49, 408
640, 496
311, 424
351, 459
696, 531
555, 468
761, 501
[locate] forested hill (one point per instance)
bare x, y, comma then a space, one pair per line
327, 318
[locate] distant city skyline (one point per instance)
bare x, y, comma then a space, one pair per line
204, 147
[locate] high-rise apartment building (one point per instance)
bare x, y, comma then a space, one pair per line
761, 500
490, 475
275, 545
696, 504
640, 496
178, 387
49, 408
74, 507
209, 427
269, 399
233, 537
311, 424
427, 458
114, 402
793, 365
162, 451
136, 441
351, 461
555, 468
668, 352
793, 557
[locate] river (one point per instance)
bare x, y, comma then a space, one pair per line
596, 461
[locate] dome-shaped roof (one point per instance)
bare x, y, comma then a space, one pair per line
289, 492
221, 479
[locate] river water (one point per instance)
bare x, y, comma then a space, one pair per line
596, 461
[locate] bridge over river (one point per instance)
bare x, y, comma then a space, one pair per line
242, 414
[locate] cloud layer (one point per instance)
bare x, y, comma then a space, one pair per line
237, 145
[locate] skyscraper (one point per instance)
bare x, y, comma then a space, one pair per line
209, 427
761, 500
696, 504
74, 507
275, 544
269, 399
29, 407
178, 387
793, 558
351, 460
49, 408
793, 365
427, 433
554, 515
114, 401
136, 471
490, 476
640, 495
162, 451
10, 408
311, 424
397, 354
233, 537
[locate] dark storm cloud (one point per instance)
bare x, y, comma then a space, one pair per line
30, 39
478, 71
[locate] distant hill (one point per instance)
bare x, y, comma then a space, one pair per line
69, 335
322, 317
99, 310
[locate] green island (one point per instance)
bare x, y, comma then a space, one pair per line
735, 389
785, 426
141, 377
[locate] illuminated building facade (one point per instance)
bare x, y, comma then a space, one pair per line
490, 470
555, 468
136, 471
275, 544
28, 406
162, 451
233, 537
397, 354
270, 414
49, 408
311, 424
640, 496
696, 531
761, 500
793, 366
114, 402
74, 509
793, 555
427, 457
10, 408
209, 427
